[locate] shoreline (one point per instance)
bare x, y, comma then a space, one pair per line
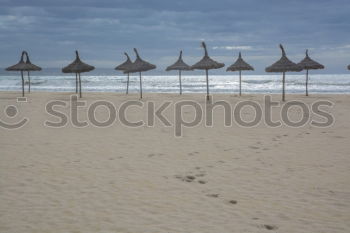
226, 84
184, 93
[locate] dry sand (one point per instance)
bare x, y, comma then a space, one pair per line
212, 179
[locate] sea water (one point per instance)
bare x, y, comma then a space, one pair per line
318, 83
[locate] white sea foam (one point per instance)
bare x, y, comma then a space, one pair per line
325, 83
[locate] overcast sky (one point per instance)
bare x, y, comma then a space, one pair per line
102, 30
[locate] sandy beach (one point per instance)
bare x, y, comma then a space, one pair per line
145, 179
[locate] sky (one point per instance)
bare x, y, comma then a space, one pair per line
103, 30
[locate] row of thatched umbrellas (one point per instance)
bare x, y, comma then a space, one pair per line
206, 63
77, 67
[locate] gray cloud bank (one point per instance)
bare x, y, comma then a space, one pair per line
103, 30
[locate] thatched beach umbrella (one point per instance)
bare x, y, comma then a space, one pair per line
20, 66
77, 67
308, 64
240, 65
139, 66
283, 65
179, 65
30, 67
124, 67
206, 63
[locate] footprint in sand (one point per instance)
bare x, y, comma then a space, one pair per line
228, 149
193, 153
151, 155
215, 195
254, 147
188, 178
270, 227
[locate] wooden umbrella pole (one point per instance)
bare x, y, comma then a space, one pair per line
180, 82
80, 95
307, 80
240, 83
140, 86
22, 83
283, 90
76, 83
206, 73
127, 84
28, 81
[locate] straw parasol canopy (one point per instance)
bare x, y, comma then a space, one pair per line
77, 67
20, 66
124, 67
206, 63
179, 65
30, 67
308, 64
283, 65
240, 65
139, 66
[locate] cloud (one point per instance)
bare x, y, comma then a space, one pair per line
67, 42
103, 30
347, 46
233, 47
14, 21
99, 21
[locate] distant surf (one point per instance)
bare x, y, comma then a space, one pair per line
319, 83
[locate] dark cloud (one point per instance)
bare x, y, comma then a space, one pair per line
103, 29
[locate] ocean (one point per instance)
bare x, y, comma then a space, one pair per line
295, 83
